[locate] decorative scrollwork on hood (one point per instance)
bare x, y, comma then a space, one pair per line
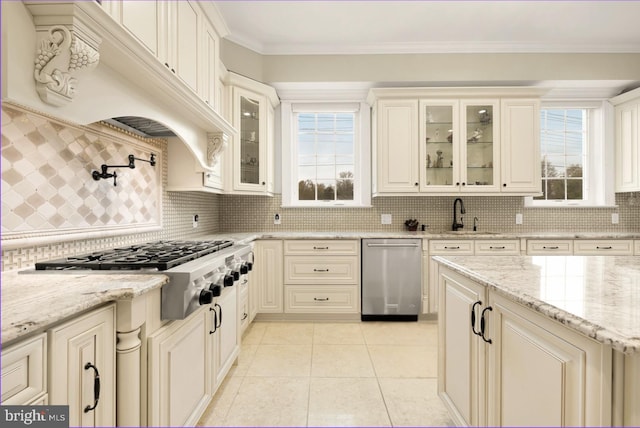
61, 53
216, 143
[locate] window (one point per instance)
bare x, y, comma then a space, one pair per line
563, 140
325, 146
325, 154
576, 163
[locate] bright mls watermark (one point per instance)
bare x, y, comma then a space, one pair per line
34, 416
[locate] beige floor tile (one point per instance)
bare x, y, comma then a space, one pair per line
253, 334
288, 334
281, 360
221, 403
270, 401
404, 361
414, 402
346, 402
245, 358
338, 334
400, 333
341, 361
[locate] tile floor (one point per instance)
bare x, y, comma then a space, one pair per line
326, 374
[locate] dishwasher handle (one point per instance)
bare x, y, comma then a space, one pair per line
393, 245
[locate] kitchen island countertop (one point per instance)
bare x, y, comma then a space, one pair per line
598, 296
33, 301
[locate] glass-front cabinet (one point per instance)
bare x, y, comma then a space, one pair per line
459, 145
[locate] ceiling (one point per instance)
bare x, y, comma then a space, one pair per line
360, 27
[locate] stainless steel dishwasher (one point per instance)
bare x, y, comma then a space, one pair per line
391, 279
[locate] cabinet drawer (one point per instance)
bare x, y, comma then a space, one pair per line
451, 247
304, 299
321, 270
636, 250
617, 247
24, 372
539, 247
508, 247
334, 247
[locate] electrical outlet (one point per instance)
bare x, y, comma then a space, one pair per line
277, 219
615, 218
518, 218
385, 218
195, 221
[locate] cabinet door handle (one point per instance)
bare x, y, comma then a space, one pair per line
320, 248
550, 248
483, 324
321, 299
320, 270
215, 320
220, 318
473, 317
96, 387
497, 248
452, 248
244, 316
603, 248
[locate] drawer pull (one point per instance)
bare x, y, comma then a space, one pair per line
320, 248
603, 248
321, 270
550, 248
96, 387
321, 299
452, 248
497, 248
244, 316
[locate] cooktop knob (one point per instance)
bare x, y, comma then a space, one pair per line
228, 280
206, 297
249, 266
216, 289
244, 268
236, 275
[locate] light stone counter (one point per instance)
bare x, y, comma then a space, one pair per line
598, 296
31, 302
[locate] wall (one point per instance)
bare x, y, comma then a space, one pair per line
255, 213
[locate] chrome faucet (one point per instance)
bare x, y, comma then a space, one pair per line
475, 224
457, 225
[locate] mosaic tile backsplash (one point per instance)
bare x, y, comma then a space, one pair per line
233, 213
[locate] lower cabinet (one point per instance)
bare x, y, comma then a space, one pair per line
224, 332
502, 364
82, 367
268, 276
179, 371
24, 372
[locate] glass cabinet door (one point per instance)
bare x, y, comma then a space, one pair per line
480, 145
249, 141
439, 143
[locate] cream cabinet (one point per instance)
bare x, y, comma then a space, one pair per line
510, 366
244, 310
268, 275
250, 164
456, 140
636, 246
210, 55
225, 333
24, 372
179, 370
612, 247
547, 247
184, 174
147, 31
82, 367
396, 152
459, 145
321, 276
627, 141
520, 146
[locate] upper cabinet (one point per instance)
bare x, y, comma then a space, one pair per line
456, 140
627, 117
252, 157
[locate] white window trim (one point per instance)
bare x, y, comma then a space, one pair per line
600, 171
362, 153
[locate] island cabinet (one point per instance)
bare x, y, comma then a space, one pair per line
24, 372
82, 367
455, 140
502, 364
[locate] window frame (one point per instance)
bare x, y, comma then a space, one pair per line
362, 145
598, 165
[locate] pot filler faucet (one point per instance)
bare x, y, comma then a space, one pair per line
457, 225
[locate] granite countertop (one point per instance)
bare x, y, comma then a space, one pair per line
31, 302
598, 296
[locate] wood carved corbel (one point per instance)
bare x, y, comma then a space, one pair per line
216, 143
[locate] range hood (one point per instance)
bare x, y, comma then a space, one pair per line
141, 126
